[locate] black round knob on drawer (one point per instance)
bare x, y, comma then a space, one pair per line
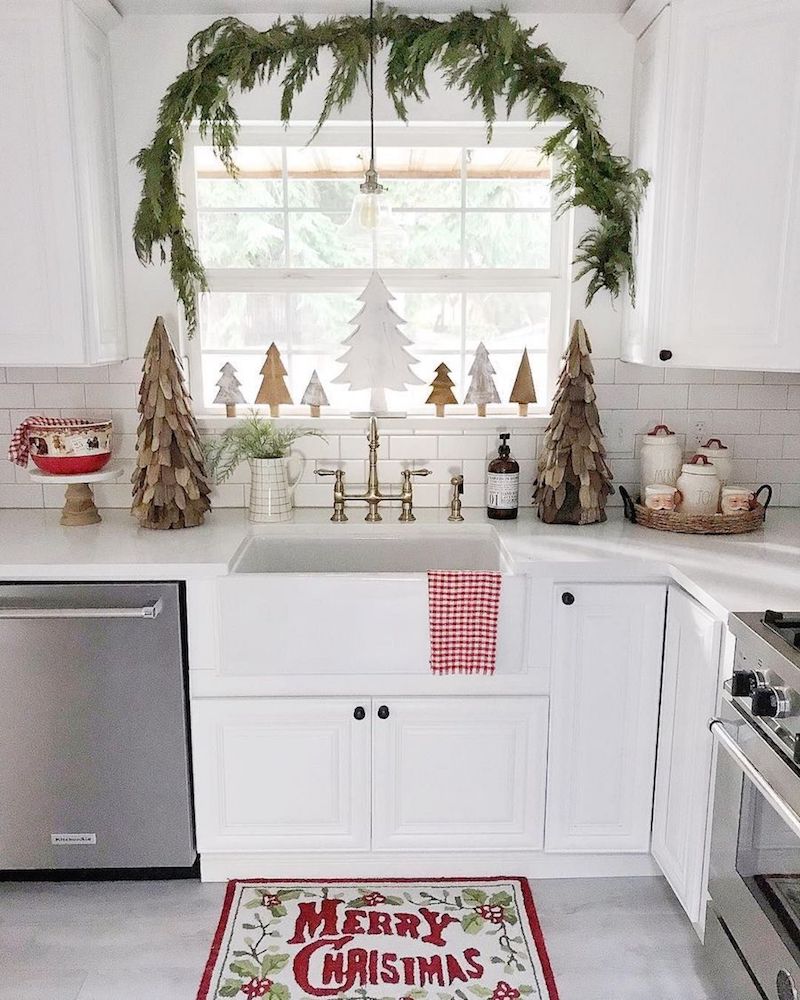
383, 712
360, 713
665, 355
567, 598
765, 703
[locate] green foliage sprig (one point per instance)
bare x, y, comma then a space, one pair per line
491, 58
253, 437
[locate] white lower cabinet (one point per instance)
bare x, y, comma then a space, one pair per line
281, 774
460, 773
278, 774
606, 673
683, 774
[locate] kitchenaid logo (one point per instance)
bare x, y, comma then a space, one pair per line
327, 966
73, 839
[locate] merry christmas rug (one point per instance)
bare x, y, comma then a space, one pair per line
393, 939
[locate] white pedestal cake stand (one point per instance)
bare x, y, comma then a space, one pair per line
79, 507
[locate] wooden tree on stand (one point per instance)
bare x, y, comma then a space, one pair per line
376, 357
230, 392
442, 390
524, 391
273, 391
482, 389
170, 485
574, 480
314, 396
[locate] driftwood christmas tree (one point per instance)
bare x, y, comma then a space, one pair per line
170, 485
442, 390
574, 480
230, 392
273, 391
524, 391
376, 357
482, 389
314, 396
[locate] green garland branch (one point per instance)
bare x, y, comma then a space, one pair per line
491, 58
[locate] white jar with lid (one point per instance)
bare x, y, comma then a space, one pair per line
660, 459
699, 486
715, 451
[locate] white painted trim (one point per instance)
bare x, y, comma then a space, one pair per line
641, 14
219, 867
101, 13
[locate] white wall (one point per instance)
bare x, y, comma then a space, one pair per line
148, 52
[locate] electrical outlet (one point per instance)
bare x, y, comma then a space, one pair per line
699, 430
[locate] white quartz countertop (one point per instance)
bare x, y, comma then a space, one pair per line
727, 573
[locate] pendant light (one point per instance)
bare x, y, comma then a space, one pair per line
371, 214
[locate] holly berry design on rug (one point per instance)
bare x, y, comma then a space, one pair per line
468, 939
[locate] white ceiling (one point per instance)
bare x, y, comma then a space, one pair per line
323, 7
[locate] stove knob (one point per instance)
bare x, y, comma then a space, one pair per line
743, 683
765, 702
785, 986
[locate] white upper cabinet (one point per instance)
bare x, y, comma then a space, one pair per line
716, 121
60, 245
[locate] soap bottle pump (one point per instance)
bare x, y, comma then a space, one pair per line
502, 487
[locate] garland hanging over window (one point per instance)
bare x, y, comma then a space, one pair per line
490, 58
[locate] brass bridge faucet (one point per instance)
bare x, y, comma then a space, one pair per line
373, 497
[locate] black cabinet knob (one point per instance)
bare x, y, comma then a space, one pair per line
360, 713
567, 598
383, 712
665, 355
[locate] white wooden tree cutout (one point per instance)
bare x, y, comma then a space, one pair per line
314, 396
230, 392
376, 357
482, 389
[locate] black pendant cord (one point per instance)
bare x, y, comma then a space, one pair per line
372, 82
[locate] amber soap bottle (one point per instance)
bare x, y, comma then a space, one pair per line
502, 487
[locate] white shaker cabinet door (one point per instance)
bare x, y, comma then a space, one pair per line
454, 773
281, 773
606, 676
683, 771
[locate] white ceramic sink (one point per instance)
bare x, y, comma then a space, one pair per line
364, 589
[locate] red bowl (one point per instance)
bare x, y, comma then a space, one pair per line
70, 449
71, 465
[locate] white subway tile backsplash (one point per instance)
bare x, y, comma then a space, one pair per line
12, 396
627, 374
462, 446
713, 397
781, 378
402, 446
780, 422
671, 397
738, 378
66, 397
793, 397
129, 371
31, 376
116, 397
763, 397
618, 397
688, 376
94, 374
19, 495
759, 446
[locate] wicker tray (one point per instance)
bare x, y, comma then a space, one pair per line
697, 524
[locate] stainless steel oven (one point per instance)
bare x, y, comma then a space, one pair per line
753, 922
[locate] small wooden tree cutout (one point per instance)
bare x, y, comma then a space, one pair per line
230, 392
524, 391
442, 390
273, 391
170, 485
482, 389
574, 480
314, 396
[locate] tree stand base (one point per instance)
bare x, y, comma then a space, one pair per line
79, 506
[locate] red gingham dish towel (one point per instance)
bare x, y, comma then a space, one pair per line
19, 448
463, 608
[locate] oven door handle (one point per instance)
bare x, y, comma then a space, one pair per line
778, 803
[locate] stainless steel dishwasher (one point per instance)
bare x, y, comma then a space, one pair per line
94, 751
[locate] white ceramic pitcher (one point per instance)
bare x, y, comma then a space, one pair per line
272, 488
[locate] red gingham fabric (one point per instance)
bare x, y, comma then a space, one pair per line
463, 608
18, 448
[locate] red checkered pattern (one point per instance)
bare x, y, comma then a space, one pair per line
19, 448
463, 608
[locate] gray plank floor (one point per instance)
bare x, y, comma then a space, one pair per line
609, 939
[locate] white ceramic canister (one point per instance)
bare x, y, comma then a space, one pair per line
661, 458
718, 453
272, 490
699, 485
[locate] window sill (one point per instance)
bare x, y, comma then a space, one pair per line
344, 423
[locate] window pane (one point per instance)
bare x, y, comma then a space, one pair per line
506, 321
434, 240
433, 319
322, 321
243, 193
505, 239
242, 319
316, 241
415, 396
242, 239
507, 178
423, 192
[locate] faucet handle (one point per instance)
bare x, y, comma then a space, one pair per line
327, 472
418, 472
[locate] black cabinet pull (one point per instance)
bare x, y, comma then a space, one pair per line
665, 355
383, 712
360, 713
567, 598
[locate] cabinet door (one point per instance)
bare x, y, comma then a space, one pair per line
281, 774
455, 773
683, 770
732, 278
606, 675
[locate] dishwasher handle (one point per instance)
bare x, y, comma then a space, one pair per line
146, 611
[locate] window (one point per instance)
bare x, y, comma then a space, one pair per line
485, 257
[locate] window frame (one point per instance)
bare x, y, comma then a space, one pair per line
555, 280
